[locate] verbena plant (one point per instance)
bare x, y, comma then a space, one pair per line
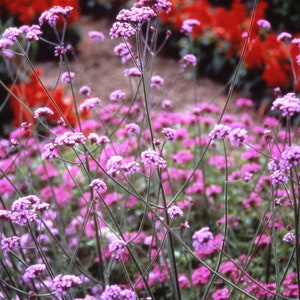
138, 201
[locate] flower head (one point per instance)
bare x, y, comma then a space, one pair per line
237, 136
170, 134
187, 61
219, 132
121, 30
89, 103
151, 157
117, 248
174, 211
34, 271
156, 82
62, 283
136, 15
95, 35
188, 26
66, 77
53, 14
264, 24
42, 112
202, 238
289, 105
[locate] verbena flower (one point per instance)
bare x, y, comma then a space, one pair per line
89, 103
289, 158
32, 33
117, 96
289, 105
187, 61
33, 271
159, 5
52, 15
70, 139
170, 134
62, 283
66, 77
95, 35
5, 43
289, 238
132, 128
12, 33
221, 294
156, 82
237, 136
136, 15
121, 30
200, 276
202, 238
152, 158
264, 24
113, 165
188, 26
10, 243
174, 211
279, 177
117, 248
284, 36
115, 292
219, 132
42, 112
130, 167
85, 90
98, 186
123, 50
132, 72
49, 151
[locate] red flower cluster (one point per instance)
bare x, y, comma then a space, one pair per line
27, 11
220, 24
25, 97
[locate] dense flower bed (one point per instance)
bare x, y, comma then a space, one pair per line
137, 200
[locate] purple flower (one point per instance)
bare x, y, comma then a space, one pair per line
98, 186
264, 24
89, 103
279, 177
159, 5
117, 248
5, 43
136, 15
174, 211
42, 112
70, 139
95, 35
33, 271
133, 128
117, 96
200, 276
32, 33
12, 33
188, 26
202, 238
113, 165
156, 82
66, 77
170, 134
187, 61
130, 168
237, 136
132, 72
219, 132
244, 102
85, 90
123, 50
121, 30
151, 157
52, 15
60, 50
62, 283
9, 243
49, 151
289, 158
112, 292
289, 238
221, 294
284, 36
289, 104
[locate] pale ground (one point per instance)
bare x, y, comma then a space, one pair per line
97, 66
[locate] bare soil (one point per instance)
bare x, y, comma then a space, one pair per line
96, 65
